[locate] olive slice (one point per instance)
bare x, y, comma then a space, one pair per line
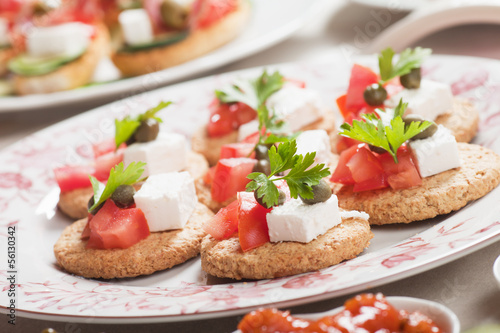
321, 193
262, 166
412, 79
91, 203
375, 94
174, 14
147, 131
123, 196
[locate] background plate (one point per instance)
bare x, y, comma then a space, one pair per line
28, 197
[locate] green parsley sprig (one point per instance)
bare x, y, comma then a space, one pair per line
117, 176
408, 60
299, 179
126, 127
384, 131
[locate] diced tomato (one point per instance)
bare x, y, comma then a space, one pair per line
345, 142
361, 77
366, 170
113, 227
240, 149
403, 174
206, 12
224, 223
252, 138
342, 173
227, 117
252, 222
347, 114
104, 163
231, 177
208, 177
73, 177
105, 147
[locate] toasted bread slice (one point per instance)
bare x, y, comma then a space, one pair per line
462, 121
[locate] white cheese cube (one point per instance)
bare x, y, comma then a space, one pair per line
296, 221
247, 129
296, 106
136, 26
431, 100
315, 141
167, 153
67, 39
167, 200
437, 153
4, 32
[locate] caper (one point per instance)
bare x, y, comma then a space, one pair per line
147, 130
427, 133
375, 94
321, 193
174, 14
262, 166
123, 196
376, 149
281, 198
412, 79
261, 152
91, 203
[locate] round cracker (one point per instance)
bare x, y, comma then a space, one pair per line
462, 121
159, 251
271, 260
74, 203
198, 43
439, 194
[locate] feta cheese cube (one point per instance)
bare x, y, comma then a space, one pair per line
437, 153
247, 129
4, 32
296, 106
67, 39
431, 100
167, 153
167, 200
315, 141
136, 26
298, 222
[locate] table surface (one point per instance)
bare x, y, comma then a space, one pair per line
466, 285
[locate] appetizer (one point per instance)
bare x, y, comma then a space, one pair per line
363, 313
402, 80
233, 112
409, 169
129, 233
63, 46
136, 139
283, 225
165, 33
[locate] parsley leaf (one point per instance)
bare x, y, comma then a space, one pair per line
125, 128
299, 179
117, 176
386, 133
408, 60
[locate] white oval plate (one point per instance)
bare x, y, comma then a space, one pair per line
28, 197
401, 5
269, 25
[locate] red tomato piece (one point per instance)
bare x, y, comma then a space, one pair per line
366, 171
227, 117
231, 177
342, 173
223, 224
361, 77
206, 12
105, 147
240, 149
403, 174
113, 227
104, 163
252, 222
252, 138
73, 177
373, 313
345, 142
347, 114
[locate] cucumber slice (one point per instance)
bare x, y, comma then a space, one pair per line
27, 65
171, 39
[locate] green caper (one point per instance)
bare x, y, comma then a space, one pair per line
376, 149
91, 203
412, 79
123, 196
281, 198
261, 152
375, 94
174, 14
262, 166
321, 193
147, 130
427, 133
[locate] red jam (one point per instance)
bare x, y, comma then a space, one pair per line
363, 313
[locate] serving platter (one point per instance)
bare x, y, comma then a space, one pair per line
265, 29
29, 194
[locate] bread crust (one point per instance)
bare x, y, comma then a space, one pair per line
159, 251
198, 43
272, 260
74, 203
438, 194
462, 121
69, 76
